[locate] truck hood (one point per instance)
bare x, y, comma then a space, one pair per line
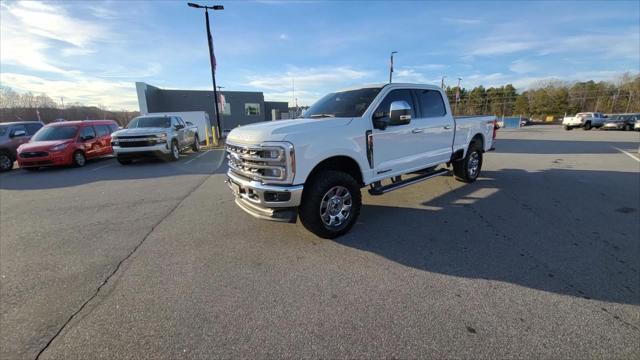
140, 131
278, 130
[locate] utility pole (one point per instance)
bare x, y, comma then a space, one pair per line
212, 60
442, 82
391, 66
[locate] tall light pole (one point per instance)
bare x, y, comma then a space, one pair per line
455, 108
212, 60
391, 66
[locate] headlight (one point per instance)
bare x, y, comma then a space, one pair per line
161, 136
271, 162
59, 147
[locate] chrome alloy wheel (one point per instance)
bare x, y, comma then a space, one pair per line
5, 162
335, 206
175, 150
79, 158
474, 164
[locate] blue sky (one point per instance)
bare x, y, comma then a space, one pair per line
94, 51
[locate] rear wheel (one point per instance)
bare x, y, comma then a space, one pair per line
330, 204
628, 127
6, 162
567, 127
196, 144
79, 160
587, 126
468, 169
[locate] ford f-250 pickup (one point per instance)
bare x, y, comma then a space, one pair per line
385, 137
154, 135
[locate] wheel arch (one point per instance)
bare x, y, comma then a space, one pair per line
341, 163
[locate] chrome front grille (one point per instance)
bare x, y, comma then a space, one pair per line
262, 163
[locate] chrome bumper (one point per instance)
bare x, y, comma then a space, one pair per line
268, 202
160, 148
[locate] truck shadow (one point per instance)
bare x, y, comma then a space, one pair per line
545, 230
108, 169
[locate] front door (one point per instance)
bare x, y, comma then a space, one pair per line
91, 144
397, 149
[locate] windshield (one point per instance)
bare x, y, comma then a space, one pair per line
148, 122
351, 103
49, 133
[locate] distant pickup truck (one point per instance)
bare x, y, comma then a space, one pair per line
385, 137
151, 135
585, 120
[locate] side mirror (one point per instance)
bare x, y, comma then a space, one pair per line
399, 113
178, 126
18, 133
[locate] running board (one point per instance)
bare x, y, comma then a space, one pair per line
379, 190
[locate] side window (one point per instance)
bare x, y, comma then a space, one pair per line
102, 130
33, 128
431, 104
174, 121
180, 121
88, 133
16, 128
395, 95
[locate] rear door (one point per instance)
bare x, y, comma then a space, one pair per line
175, 124
437, 126
103, 137
397, 149
91, 144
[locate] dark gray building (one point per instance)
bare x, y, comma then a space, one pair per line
240, 107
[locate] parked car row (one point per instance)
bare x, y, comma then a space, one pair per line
35, 145
589, 120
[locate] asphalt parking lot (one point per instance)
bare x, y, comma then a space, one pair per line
538, 258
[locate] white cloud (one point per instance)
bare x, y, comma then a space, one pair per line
283, 37
462, 21
522, 66
88, 91
501, 46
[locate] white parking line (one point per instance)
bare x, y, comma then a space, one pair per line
190, 160
102, 167
628, 154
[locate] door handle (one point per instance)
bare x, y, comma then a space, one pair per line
416, 131
447, 127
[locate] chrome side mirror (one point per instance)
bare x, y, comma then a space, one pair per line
399, 113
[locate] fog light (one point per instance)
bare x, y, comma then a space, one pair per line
277, 196
271, 173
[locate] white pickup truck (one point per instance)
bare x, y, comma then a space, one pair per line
585, 120
385, 137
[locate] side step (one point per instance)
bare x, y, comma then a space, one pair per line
379, 190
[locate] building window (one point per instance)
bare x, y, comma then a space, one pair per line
225, 109
252, 109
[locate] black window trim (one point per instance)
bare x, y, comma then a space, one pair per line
417, 98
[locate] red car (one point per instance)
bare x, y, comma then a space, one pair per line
67, 143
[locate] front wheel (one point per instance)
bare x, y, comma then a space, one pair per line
628, 127
330, 204
587, 126
6, 162
79, 160
468, 169
196, 144
566, 127
174, 155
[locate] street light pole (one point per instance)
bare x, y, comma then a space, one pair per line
391, 66
212, 60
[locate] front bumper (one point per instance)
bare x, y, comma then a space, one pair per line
270, 202
159, 149
613, 126
572, 123
60, 158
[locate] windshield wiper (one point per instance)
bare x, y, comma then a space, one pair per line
321, 115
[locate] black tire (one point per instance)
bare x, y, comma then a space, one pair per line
311, 207
587, 126
196, 144
174, 154
628, 127
567, 127
124, 161
79, 159
6, 161
467, 170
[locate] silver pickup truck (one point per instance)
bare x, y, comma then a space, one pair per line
157, 136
